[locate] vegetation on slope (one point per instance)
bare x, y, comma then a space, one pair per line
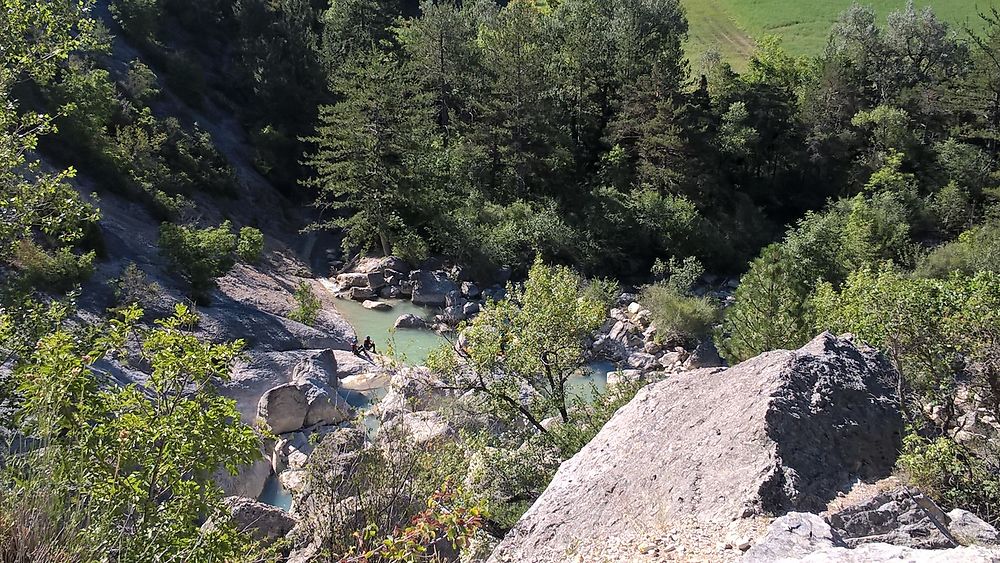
575, 131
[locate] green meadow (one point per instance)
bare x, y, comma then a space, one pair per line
730, 26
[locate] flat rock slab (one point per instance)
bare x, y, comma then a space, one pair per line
780, 432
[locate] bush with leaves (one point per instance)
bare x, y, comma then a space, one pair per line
133, 287
954, 475
250, 246
139, 18
679, 318
307, 305
388, 501
57, 271
199, 255
140, 82
975, 250
770, 310
137, 462
532, 338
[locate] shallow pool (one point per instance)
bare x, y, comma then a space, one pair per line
275, 495
410, 346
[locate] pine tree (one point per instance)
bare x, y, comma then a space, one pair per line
367, 149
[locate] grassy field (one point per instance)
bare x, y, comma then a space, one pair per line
729, 26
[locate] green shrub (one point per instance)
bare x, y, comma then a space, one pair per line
133, 287
953, 475
58, 271
307, 305
976, 250
250, 246
140, 82
131, 459
199, 255
951, 209
139, 18
770, 310
679, 317
680, 275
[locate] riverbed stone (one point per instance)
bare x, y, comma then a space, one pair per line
430, 288
471, 290
361, 293
376, 305
410, 320
376, 280
406, 288
353, 279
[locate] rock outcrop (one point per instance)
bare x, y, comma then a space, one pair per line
781, 432
807, 537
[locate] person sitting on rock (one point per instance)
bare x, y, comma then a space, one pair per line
355, 349
369, 344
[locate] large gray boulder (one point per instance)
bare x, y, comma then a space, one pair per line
430, 288
353, 279
248, 481
966, 527
781, 432
283, 408
318, 366
409, 320
316, 377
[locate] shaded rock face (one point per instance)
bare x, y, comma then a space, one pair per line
901, 517
264, 522
780, 432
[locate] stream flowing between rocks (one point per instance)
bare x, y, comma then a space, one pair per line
410, 347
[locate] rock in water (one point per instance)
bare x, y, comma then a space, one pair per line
783, 431
409, 321
376, 305
430, 288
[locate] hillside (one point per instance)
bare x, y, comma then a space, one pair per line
375, 281
730, 26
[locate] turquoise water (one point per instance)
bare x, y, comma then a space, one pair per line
410, 346
593, 379
276, 495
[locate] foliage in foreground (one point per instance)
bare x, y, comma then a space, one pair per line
534, 338
132, 468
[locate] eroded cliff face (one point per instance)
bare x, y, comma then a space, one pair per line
712, 452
